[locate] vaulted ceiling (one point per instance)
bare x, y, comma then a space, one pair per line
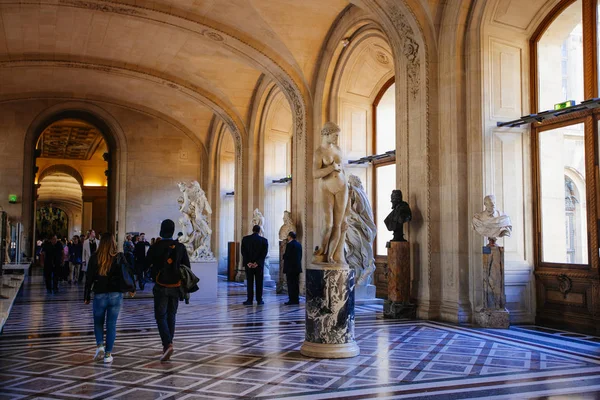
185, 60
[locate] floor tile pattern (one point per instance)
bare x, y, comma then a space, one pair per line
225, 350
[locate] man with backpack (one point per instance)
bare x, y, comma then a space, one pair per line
165, 259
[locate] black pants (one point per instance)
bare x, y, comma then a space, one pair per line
51, 277
166, 301
293, 283
255, 274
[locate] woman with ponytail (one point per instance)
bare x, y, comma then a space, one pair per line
105, 278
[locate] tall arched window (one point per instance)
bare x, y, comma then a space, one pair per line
384, 140
565, 65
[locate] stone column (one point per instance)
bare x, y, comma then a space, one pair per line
281, 281
329, 312
398, 304
493, 314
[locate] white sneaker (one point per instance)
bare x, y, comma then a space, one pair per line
99, 353
108, 358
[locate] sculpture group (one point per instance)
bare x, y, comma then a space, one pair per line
195, 222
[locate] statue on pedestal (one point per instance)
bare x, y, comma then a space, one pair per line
259, 219
327, 167
400, 214
361, 233
195, 224
492, 224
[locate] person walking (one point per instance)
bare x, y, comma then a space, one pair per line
90, 245
75, 256
104, 277
139, 253
164, 259
128, 248
52, 259
292, 268
254, 251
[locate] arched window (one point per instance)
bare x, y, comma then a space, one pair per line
565, 65
384, 139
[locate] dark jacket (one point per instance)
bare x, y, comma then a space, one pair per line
292, 258
76, 253
254, 249
110, 283
53, 254
139, 252
157, 257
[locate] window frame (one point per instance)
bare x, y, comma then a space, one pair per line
590, 120
378, 163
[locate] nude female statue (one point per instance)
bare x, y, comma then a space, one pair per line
327, 167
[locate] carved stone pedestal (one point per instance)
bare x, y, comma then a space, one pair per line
493, 314
398, 304
329, 312
281, 281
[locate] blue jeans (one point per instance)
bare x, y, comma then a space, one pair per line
106, 307
166, 301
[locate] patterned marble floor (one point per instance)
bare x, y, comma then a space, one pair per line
225, 350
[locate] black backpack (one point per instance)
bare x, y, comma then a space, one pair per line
169, 275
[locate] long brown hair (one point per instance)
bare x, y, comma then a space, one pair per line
106, 253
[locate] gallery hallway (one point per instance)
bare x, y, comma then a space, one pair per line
225, 350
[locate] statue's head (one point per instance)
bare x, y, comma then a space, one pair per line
180, 200
330, 132
489, 202
287, 216
354, 181
181, 186
396, 196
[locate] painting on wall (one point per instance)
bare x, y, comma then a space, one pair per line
51, 220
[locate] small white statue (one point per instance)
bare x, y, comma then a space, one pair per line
490, 222
287, 227
258, 219
194, 223
361, 232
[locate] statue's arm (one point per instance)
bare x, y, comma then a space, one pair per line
318, 171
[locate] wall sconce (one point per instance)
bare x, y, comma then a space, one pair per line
283, 180
230, 193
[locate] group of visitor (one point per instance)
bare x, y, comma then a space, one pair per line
66, 260
107, 277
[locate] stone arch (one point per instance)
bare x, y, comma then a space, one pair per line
117, 145
61, 168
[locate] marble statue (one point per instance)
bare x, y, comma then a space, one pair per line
287, 227
400, 214
361, 233
490, 222
258, 219
195, 224
334, 191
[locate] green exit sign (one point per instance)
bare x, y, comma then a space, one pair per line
12, 198
564, 104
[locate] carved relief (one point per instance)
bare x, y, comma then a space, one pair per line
565, 284
410, 48
213, 35
102, 7
297, 106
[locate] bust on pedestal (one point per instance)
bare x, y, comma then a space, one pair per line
259, 219
329, 279
287, 227
492, 224
398, 304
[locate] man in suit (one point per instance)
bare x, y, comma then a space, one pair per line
52, 260
292, 268
139, 254
254, 252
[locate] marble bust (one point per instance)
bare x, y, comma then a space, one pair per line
490, 222
327, 167
287, 227
400, 214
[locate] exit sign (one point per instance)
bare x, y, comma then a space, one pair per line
564, 104
12, 198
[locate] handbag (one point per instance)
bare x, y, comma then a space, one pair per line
127, 282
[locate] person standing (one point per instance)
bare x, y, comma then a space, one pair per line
128, 248
75, 255
164, 259
292, 267
139, 253
104, 278
89, 248
254, 251
52, 260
